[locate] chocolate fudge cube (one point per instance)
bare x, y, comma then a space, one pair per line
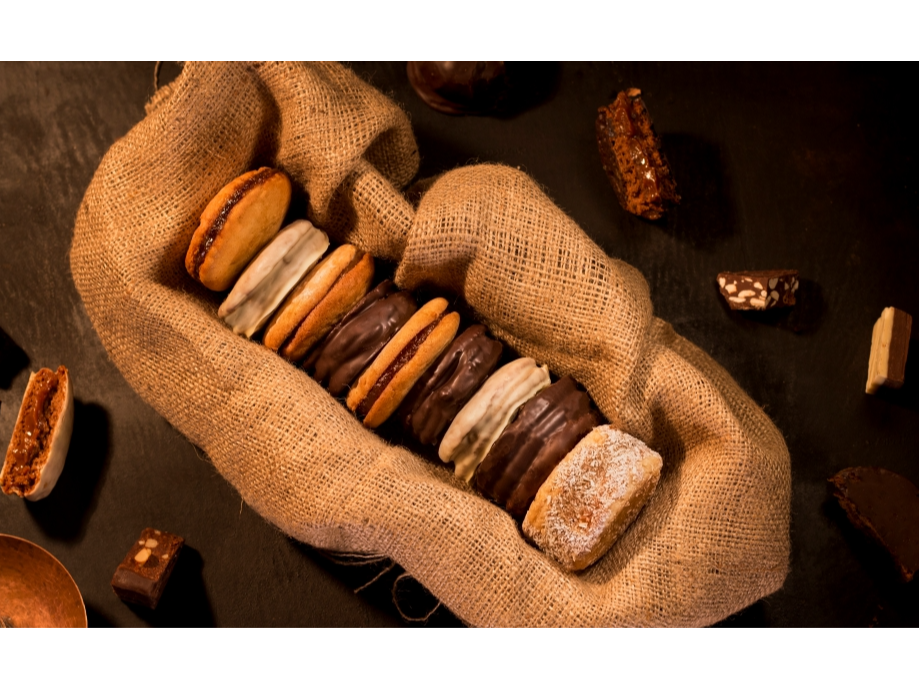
144, 572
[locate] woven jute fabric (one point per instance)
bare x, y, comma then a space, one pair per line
713, 539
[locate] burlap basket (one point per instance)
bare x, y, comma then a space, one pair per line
713, 539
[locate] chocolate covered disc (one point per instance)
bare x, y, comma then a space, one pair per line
354, 343
459, 88
235, 225
449, 383
546, 430
885, 506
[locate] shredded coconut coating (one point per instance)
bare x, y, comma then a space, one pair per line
592, 496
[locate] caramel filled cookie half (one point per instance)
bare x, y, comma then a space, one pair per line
235, 225
36, 454
631, 153
402, 361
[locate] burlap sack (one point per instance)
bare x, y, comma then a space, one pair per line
713, 539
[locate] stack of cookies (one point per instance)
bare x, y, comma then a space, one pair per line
538, 449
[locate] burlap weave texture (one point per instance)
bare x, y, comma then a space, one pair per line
713, 539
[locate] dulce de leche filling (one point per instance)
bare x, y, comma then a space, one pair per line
395, 366
32, 435
211, 233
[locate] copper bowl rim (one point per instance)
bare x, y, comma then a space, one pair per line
58, 564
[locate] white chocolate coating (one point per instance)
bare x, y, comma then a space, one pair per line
272, 275
477, 426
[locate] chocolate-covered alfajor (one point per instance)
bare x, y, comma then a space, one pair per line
354, 343
449, 383
235, 225
546, 429
386, 382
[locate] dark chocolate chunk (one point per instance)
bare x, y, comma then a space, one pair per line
144, 572
459, 88
745, 290
631, 154
448, 384
548, 426
885, 506
359, 337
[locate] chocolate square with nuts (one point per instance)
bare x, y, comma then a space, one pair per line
759, 290
144, 572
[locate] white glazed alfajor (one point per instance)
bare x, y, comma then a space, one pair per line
272, 275
477, 426
36, 454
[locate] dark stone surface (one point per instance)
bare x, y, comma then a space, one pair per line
810, 167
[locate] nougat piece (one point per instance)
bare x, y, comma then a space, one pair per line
758, 290
889, 347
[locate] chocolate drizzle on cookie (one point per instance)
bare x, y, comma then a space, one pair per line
260, 177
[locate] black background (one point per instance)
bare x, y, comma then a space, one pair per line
810, 167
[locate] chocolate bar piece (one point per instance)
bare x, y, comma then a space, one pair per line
144, 572
889, 347
885, 506
758, 290
630, 151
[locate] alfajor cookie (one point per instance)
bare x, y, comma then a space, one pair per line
36, 454
235, 225
272, 275
360, 336
390, 377
449, 383
482, 419
547, 427
323, 297
592, 496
